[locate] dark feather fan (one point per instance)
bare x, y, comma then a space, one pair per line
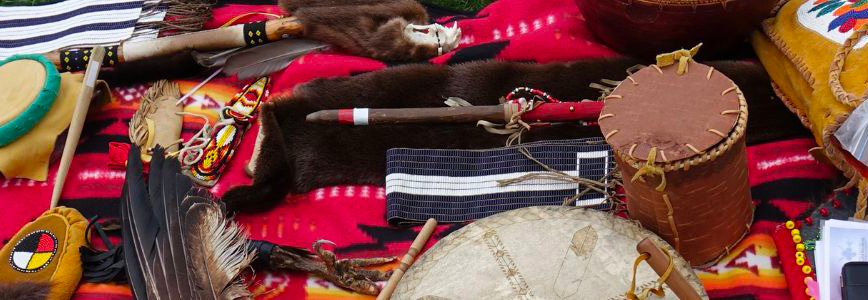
246, 62
179, 243
269, 58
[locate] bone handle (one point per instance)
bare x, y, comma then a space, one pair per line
659, 262
78, 115
408, 259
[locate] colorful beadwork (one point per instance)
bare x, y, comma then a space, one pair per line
835, 20
254, 34
34, 252
795, 232
797, 239
217, 154
806, 269
74, 60
810, 245
790, 224
849, 14
530, 95
800, 247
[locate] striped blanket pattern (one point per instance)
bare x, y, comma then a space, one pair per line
45, 28
453, 185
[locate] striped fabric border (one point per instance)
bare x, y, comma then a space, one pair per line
40, 29
27, 2
462, 185
147, 28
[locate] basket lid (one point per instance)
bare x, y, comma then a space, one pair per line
28, 87
681, 115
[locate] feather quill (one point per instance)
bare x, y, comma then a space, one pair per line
269, 58
181, 244
213, 59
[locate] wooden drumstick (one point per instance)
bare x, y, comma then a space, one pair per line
549, 112
408, 259
78, 116
659, 261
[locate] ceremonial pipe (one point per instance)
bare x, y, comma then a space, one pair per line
78, 116
547, 112
242, 35
408, 259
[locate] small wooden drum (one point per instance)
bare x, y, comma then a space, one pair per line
545, 252
694, 193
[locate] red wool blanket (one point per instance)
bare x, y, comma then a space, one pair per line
785, 180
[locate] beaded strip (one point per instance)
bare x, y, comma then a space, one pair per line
74, 60
254, 34
221, 146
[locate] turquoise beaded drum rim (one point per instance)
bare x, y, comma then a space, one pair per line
21, 124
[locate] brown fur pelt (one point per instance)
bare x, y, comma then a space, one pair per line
24, 290
370, 28
297, 157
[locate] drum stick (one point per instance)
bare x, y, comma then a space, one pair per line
78, 115
659, 261
408, 259
549, 112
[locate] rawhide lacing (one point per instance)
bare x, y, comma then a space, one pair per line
142, 128
852, 100
194, 149
861, 202
838, 66
527, 99
658, 289
515, 127
702, 156
708, 155
651, 169
682, 57
606, 86
606, 185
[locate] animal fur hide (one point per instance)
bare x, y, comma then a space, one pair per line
296, 156
24, 290
372, 28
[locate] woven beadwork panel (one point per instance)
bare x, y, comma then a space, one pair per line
453, 185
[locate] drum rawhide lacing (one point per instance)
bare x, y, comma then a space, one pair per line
658, 289
529, 99
850, 99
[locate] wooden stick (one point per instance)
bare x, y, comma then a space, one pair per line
548, 112
408, 259
206, 40
82, 104
659, 262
